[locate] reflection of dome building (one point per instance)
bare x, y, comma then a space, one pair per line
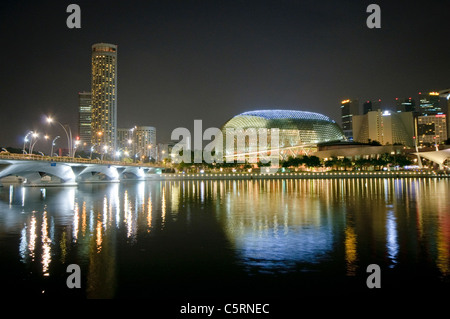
296, 128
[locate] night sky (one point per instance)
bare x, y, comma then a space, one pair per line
210, 60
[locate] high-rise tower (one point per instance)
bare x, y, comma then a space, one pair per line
348, 109
84, 118
104, 96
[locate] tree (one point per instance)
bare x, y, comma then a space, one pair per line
374, 143
346, 163
312, 161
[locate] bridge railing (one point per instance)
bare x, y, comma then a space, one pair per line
66, 159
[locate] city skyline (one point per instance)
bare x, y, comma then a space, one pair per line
253, 57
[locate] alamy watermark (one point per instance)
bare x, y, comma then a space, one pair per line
73, 21
233, 145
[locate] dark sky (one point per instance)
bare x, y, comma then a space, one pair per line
210, 60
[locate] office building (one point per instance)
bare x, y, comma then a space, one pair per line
125, 139
405, 104
385, 127
431, 129
84, 119
144, 141
138, 141
445, 97
104, 96
349, 108
429, 103
369, 106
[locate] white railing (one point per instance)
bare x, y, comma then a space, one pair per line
66, 159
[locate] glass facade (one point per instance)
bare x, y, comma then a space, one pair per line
295, 127
84, 118
349, 108
429, 103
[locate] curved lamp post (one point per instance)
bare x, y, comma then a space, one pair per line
25, 140
69, 138
35, 135
53, 144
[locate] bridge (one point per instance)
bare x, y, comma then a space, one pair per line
35, 170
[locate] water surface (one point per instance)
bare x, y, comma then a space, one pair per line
227, 239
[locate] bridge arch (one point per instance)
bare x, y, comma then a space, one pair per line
34, 172
96, 173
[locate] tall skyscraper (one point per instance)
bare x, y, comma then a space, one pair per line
84, 118
348, 109
429, 103
104, 96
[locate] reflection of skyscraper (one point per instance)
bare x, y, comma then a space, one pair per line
84, 118
348, 109
104, 95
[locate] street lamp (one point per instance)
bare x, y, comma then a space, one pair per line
35, 135
105, 148
92, 149
69, 138
25, 140
75, 147
53, 144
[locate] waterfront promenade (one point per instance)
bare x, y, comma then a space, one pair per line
302, 175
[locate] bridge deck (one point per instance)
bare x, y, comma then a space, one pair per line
72, 160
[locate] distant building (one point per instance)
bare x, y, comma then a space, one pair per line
164, 150
431, 129
104, 95
369, 106
145, 141
429, 103
125, 139
384, 127
138, 141
349, 108
405, 105
84, 119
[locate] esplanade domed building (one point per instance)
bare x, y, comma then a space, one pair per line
295, 127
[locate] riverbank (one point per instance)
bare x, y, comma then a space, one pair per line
300, 175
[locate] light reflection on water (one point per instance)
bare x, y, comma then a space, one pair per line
270, 226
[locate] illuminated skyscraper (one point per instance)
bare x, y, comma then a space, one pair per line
104, 95
349, 108
84, 118
429, 103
